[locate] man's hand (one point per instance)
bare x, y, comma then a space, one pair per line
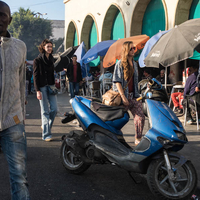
197, 89
39, 95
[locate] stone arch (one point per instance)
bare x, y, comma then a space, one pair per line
86, 28
108, 21
182, 11
138, 14
72, 28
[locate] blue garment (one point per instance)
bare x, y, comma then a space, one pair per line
107, 75
47, 114
118, 76
190, 84
13, 142
74, 89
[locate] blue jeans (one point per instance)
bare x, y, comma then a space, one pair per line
13, 142
48, 113
74, 89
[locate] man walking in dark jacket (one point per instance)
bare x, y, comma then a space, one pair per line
74, 75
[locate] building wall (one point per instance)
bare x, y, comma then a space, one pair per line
77, 11
58, 27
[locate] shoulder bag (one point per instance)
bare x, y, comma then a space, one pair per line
112, 98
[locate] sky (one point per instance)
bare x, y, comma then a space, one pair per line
54, 9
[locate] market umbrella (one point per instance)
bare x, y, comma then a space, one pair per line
176, 45
100, 49
64, 59
147, 48
114, 52
80, 52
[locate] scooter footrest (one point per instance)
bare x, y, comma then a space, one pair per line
111, 149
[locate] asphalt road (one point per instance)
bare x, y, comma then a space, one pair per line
48, 179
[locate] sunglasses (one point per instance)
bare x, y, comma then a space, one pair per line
132, 48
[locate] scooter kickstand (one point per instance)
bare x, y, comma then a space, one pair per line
135, 179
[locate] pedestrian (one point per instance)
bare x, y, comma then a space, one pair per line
12, 105
161, 77
74, 75
28, 81
189, 89
177, 98
126, 71
197, 89
147, 74
43, 74
106, 80
29, 76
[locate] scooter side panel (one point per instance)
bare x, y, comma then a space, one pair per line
115, 151
154, 144
86, 116
162, 120
114, 125
118, 123
164, 109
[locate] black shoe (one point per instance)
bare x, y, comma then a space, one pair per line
180, 111
176, 110
68, 118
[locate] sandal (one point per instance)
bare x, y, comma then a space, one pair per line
137, 141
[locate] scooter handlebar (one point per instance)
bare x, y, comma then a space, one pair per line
151, 82
139, 98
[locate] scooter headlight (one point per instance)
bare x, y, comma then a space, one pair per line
181, 136
163, 141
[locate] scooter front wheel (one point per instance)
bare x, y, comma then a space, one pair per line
71, 162
160, 185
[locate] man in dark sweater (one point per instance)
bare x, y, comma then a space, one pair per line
191, 81
74, 75
189, 89
197, 89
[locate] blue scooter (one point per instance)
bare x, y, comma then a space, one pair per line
169, 175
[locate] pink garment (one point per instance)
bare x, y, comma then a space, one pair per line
138, 116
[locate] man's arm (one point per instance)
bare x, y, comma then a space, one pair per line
22, 81
36, 75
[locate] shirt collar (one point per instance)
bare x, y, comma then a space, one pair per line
8, 36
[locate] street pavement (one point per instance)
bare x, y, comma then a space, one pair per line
48, 179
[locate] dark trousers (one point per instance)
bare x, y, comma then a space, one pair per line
186, 104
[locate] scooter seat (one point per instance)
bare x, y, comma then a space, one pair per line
108, 113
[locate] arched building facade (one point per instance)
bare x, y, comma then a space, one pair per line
93, 21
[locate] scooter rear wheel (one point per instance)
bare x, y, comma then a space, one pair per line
71, 162
160, 185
